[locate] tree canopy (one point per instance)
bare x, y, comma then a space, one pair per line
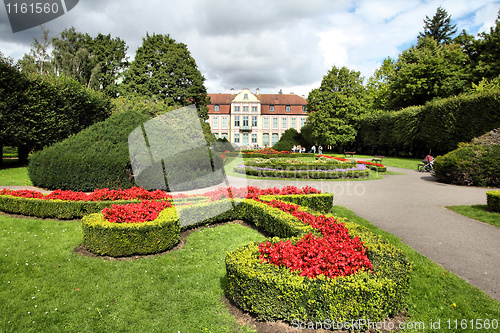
335, 107
164, 69
439, 27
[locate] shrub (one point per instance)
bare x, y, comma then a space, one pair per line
470, 164
357, 172
124, 239
493, 200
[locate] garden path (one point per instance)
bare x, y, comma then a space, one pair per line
411, 206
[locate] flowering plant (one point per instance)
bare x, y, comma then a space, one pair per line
137, 212
268, 151
345, 160
335, 254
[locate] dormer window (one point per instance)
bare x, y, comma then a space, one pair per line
216, 108
287, 108
271, 108
245, 96
304, 109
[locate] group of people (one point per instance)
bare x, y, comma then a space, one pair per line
300, 149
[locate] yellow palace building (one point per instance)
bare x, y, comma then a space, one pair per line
252, 120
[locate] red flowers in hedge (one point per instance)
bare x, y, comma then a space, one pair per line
347, 160
335, 254
98, 195
136, 212
268, 151
371, 163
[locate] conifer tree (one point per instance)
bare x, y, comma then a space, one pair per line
439, 27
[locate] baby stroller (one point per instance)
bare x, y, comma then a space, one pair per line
427, 164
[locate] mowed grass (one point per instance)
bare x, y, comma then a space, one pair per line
478, 212
397, 162
14, 176
46, 287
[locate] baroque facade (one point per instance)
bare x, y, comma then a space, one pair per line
255, 120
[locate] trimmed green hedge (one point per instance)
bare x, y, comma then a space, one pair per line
318, 174
57, 209
322, 202
125, 239
493, 200
286, 165
273, 293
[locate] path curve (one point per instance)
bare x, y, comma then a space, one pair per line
411, 206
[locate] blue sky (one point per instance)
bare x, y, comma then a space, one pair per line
266, 44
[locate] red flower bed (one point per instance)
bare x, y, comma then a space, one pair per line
136, 212
346, 160
335, 254
252, 192
97, 195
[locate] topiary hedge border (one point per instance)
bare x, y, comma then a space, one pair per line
273, 293
304, 174
493, 200
124, 239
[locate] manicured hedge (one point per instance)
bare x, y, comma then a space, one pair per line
274, 293
470, 164
286, 164
493, 200
125, 239
57, 209
308, 174
439, 125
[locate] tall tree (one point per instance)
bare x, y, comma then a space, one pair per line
378, 85
439, 27
164, 69
335, 107
40, 59
96, 62
426, 71
488, 58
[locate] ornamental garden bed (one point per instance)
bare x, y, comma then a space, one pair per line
351, 274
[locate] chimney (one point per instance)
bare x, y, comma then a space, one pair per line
232, 91
257, 91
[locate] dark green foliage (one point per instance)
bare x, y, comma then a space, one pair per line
487, 56
437, 126
125, 239
470, 164
95, 158
222, 145
164, 69
335, 107
493, 200
439, 27
289, 139
56, 209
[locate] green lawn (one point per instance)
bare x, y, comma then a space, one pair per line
46, 287
478, 212
14, 176
398, 162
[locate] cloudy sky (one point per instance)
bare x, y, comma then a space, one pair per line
266, 44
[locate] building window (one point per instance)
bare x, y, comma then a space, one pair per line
254, 121
302, 122
245, 139
294, 123
236, 121
224, 136
271, 108
245, 121
245, 96
216, 108
224, 122
265, 122
276, 138
236, 137
216, 135
284, 123
236, 109
265, 139
245, 109
275, 122
287, 109
304, 109
215, 122
254, 137
254, 109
